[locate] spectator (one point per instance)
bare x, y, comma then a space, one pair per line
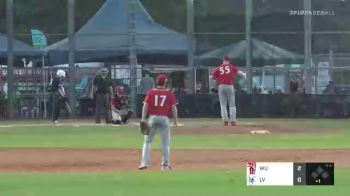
18, 97
4, 86
263, 90
256, 89
331, 89
294, 85
199, 87
146, 84
279, 90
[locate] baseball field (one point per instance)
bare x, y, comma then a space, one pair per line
80, 158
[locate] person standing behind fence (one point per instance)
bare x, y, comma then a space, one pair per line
102, 91
146, 84
223, 74
293, 86
59, 98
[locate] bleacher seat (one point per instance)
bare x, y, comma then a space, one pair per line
82, 87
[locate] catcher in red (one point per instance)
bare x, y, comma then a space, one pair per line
120, 107
158, 105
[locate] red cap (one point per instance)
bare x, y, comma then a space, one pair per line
227, 58
161, 79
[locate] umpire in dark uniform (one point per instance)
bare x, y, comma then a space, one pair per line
103, 91
59, 98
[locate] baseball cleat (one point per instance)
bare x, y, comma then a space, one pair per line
225, 123
143, 167
234, 123
166, 167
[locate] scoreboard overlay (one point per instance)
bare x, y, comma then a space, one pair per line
289, 174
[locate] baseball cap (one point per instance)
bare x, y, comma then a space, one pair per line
161, 79
226, 58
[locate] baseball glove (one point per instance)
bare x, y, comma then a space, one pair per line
144, 128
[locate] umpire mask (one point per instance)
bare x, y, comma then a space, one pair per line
104, 73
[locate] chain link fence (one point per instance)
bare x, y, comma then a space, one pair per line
162, 39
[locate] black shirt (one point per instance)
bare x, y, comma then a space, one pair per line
102, 84
56, 82
294, 86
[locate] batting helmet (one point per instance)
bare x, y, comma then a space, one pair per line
61, 73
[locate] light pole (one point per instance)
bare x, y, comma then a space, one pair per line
71, 54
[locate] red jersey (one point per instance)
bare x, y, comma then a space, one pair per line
160, 101
120, 102
224, 73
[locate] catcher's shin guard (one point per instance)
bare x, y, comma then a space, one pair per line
126, 117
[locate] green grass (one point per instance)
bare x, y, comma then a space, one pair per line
325, 124
129, 137
156, 183
219, 183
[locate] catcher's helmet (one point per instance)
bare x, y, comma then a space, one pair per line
104, 72
119, 90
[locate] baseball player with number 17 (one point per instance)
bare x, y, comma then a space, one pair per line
158, 104
224, 76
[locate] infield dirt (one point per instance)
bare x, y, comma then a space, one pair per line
97, 160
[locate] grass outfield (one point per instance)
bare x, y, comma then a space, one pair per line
105, 138
129, 137
220, 183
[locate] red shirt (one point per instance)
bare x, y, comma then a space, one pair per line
160, 101
223, 74
119, 102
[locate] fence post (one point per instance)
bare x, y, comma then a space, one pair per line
10, 58
132, 53
274, 79
307, 45
248, 38
71, 54
191, 74
43, 73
